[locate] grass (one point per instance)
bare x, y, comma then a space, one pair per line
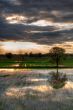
42, 62
68, 62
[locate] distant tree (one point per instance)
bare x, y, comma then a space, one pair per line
26, 54
30, 54
57, 55
9, 55
39, 55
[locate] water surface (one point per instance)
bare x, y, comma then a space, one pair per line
30, 90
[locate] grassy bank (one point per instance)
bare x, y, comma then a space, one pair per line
34, 62
21, 61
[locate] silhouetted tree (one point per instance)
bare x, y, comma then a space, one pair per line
30, 54
26, 54
9, 55
57, 55
39, 55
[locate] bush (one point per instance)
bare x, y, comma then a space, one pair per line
57, 80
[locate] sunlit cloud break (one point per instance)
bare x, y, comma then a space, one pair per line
21, 19
15, 19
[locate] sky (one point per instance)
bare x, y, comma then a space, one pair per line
36, 25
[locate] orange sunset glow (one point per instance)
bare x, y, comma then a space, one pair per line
17, 47
23, 47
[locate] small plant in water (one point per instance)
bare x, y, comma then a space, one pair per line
57, 80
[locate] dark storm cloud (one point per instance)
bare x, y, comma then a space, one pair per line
39, 8
54, 10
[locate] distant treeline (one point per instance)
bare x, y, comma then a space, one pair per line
24, 56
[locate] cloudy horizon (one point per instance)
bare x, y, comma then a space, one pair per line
40, 24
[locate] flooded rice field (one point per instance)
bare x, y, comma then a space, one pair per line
22, 89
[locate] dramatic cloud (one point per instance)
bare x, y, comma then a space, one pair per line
40, 21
